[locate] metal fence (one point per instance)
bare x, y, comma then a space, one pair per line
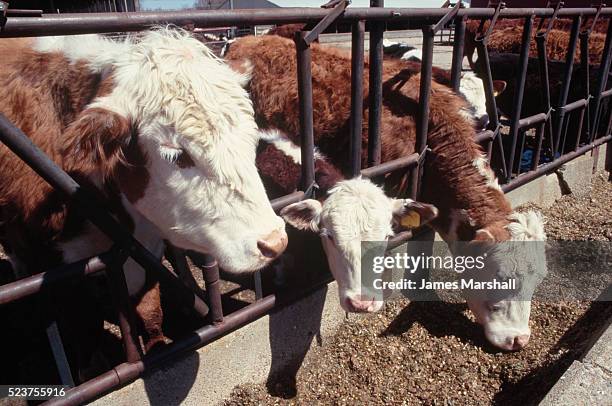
550, 124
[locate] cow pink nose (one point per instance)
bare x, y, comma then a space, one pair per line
273, 245
359, 304
520, 341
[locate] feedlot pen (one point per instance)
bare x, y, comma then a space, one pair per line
231, 310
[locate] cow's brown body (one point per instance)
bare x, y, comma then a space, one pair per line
507, 36
452, 182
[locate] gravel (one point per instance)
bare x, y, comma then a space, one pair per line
433, 353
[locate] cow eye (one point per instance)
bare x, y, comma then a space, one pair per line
177, 156
494, 307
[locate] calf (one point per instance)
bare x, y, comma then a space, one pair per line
458, 181
347, 212
160, 128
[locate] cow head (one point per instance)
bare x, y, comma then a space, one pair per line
175, 131
355, 210
505, 318
472, 89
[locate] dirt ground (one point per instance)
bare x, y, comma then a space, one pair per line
433, 353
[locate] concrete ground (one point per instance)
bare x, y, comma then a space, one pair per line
588, 381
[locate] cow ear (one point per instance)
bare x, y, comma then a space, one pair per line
498, 87
410, 214
304, 215
94, 142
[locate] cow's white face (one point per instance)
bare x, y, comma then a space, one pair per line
355, 211
472, 89
506, 319
193, 126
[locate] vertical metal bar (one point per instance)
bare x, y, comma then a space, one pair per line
485, 66
358, 33
304, 58
424, 96
580, 130
565, 127
584, 63
543, 63
489, 149
59, 354
602, 80
258, 285
375, 93
518, 94
567, 78
457, 62
125, 310
544, 83
210, 271
538, 150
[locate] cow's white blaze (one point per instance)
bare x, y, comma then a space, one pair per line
182, 100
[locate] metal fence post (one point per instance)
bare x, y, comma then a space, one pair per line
355, 142
304, 59
375, 93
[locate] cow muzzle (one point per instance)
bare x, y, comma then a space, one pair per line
273, 245
362, 304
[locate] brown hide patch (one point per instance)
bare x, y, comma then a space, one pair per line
94, 142
132, 175
281, 174
44, 95
326, 175
451, 181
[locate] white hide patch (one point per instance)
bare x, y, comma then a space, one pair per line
286, 146
527, 226
472, 88
482, 165
413, 55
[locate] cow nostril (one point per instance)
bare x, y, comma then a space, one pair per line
273, 245
360, 305
520, 341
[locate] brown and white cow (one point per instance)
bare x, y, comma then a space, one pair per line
458, 180
160, 127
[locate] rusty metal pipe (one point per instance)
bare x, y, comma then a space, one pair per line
356, 123
391, 166
37, 283
81, 23
304, 59
377, 30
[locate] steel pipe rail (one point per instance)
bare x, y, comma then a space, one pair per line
41, 281
390, 166
79, 23
549, 167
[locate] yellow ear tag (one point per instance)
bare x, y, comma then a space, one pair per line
412, 219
